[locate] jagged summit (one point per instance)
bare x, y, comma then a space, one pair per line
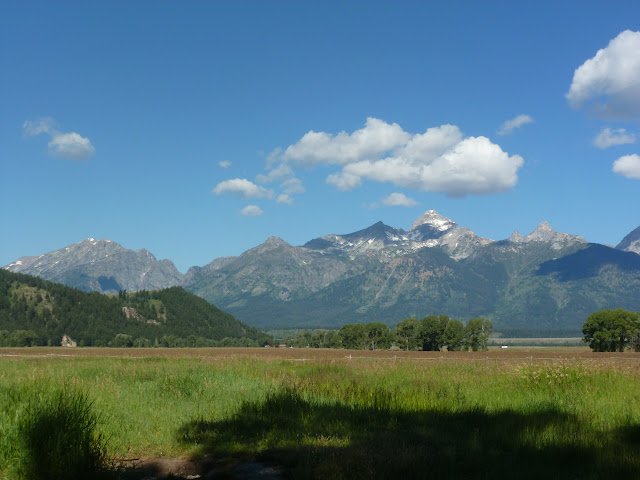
542, 233
434, 220
631, 243
516, 237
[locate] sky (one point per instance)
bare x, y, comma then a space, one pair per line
197, 130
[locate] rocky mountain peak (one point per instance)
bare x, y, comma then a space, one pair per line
101, 265
275, 241
631, 243
542, 233
434, 220
516, 237
270, 243
546, 234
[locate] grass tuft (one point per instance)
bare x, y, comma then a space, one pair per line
59, 440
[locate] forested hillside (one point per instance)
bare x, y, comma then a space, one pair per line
38, 312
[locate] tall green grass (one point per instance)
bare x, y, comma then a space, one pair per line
334, 418
50, 435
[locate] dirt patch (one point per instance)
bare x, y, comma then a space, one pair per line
207, 468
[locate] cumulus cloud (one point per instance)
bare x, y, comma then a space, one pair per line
608, 138
609, 83
243, 188
398, 200
225, 163
69, 145
439, 160
251, 211
629, 166
376, 138
510, 125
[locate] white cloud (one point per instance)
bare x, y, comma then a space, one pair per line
252, 211
610, 81
70, 145
608, 138
440, 161
243, 188
510, 125
375, 139
629, 166
225, 163
284, 198
398, 200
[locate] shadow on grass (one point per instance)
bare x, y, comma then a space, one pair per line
312, 439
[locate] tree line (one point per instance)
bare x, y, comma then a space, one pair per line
432, 333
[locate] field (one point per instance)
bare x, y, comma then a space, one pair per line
310, 413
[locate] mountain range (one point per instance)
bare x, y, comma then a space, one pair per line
545, 280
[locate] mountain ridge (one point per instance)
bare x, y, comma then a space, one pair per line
385, 273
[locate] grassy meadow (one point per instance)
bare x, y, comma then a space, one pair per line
519, 413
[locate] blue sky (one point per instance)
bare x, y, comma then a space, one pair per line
198, 129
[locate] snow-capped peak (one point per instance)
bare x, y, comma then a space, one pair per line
434, 220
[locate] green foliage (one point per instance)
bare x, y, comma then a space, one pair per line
612, 330
354, 336
454, 335
378, 336
431, 332
477, 333
122, 340
407, 334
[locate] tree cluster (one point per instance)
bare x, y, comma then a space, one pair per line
612, 330
432, 333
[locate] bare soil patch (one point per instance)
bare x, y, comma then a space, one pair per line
314, 354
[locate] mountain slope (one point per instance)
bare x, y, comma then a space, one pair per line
51, 310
